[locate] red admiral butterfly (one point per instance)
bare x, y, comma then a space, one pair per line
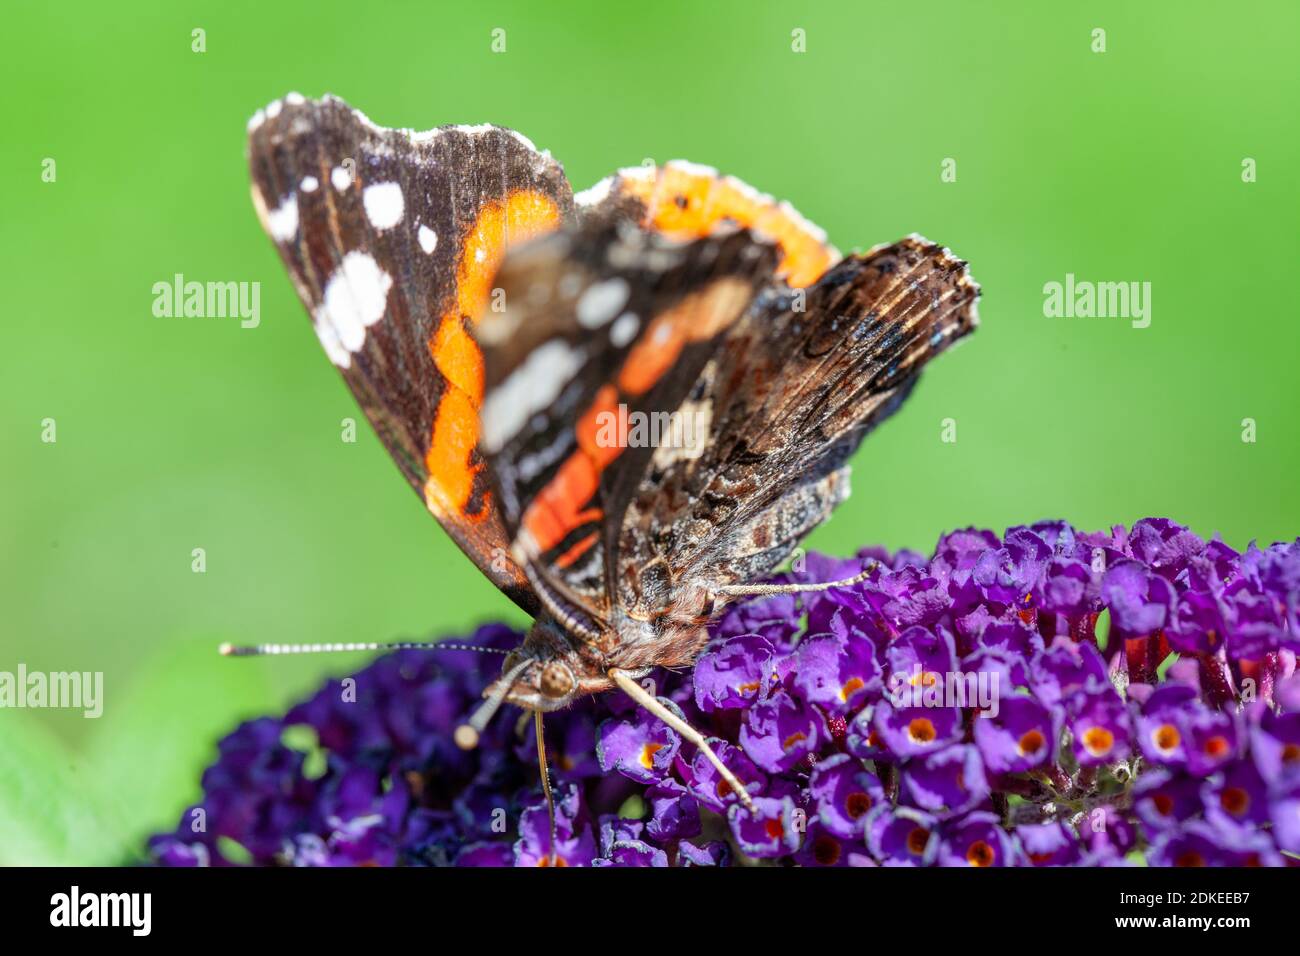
506, 338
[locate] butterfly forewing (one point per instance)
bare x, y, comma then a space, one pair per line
605, 325
392, 239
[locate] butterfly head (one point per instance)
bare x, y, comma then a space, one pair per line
548, 670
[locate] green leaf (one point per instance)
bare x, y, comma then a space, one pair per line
633, 808
49, 813
234, 851
1102, 629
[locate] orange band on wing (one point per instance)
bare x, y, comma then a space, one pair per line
696, 318
602, 429
525, 214
522, 215
557, 509
579, 548
689, 202
451, 476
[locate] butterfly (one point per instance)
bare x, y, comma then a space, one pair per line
515, 346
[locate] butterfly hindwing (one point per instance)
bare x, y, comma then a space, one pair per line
684, 200
392, 239
792, 390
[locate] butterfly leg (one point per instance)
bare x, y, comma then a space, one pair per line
689, 733
546, 783
741, 590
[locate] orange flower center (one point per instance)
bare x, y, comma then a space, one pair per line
1098, 741
1166, 738
857, 804
980, 853
851, 687
1031, 743
1235, 800
826, 851
1217, 746
921, 730
917, 839
648, 755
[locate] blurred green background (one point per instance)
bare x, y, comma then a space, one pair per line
175, 434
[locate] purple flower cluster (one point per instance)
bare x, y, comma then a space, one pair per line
1051, 697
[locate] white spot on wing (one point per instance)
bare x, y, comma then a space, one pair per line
341, 178
273, 109
356, 297
384, 204
530, 466
601, 302
310, 184
624, 329
428, 239
282, 222
329, 340
595, 195
531, 387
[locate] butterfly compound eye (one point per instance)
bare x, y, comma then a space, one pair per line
557, 680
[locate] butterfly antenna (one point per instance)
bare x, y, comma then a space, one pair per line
546, 781
274, 650
739, 590
467, 734
689, 733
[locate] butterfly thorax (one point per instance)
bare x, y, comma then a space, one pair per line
563, 665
